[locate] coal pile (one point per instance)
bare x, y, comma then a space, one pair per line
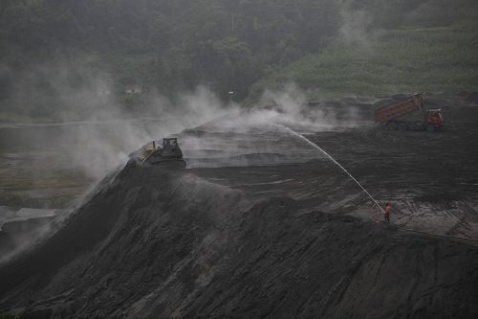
288, 239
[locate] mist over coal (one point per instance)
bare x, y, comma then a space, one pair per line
95, 132
91, 126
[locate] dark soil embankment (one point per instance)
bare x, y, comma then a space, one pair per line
14, 233
158, 244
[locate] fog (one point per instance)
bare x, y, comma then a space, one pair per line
106, 145
356, 28
92, 130
94, 134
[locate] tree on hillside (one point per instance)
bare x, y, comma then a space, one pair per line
166, 45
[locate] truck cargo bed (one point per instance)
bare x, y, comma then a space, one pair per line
398, 110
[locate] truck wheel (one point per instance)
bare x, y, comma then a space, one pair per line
430, 128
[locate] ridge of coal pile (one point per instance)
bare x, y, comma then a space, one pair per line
154, 243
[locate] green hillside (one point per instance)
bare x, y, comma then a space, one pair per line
436, 53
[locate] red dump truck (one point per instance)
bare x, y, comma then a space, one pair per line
410, 114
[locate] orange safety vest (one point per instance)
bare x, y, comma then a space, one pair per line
388, 209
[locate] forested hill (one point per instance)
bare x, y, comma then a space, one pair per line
171, 46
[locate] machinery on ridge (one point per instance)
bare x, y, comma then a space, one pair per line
169, 154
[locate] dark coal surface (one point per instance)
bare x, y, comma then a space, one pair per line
290, 236
12, 233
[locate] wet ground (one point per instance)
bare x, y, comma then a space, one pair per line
264, 225
431, 179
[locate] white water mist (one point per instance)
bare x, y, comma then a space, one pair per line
333, 160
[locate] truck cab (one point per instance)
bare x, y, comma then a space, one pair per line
434, 120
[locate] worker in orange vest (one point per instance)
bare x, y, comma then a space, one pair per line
388, 210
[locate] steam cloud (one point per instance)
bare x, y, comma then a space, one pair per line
97, 135
106, 133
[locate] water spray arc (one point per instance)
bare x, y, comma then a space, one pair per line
333, 160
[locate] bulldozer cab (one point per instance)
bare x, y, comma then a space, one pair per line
170, 144
171, 148
153, 154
